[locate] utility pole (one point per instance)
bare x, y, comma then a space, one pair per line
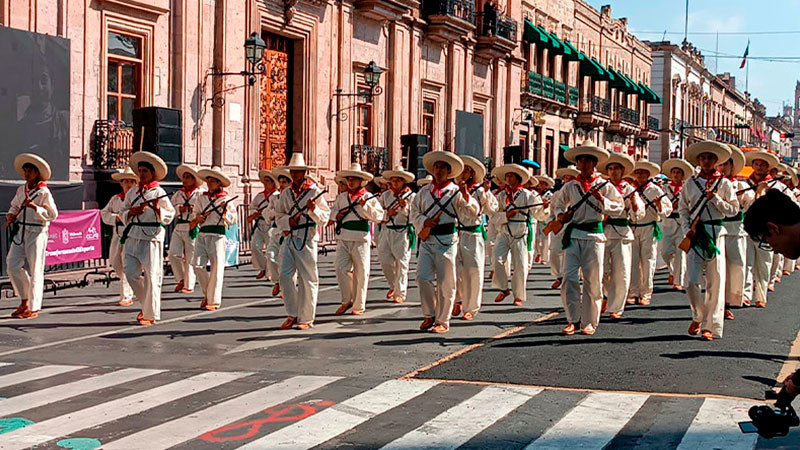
686, 24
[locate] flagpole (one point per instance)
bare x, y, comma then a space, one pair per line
747, 78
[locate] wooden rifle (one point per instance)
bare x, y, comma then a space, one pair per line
555, 226
349, 208
686, 243
755, 186
302, 210
195, 222
425, 232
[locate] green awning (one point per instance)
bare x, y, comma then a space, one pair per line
618, 81
650, 95
534, 34
563, 147
572, 53
610, 75
556, 45
634, 88
591, 68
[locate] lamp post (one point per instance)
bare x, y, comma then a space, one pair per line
372, 78
254, 47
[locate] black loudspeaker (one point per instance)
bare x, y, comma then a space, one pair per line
512, 154
158, 130
414, 148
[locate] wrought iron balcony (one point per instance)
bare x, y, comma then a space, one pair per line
600, 106
534, 84
561, 92
652, 123
574, 96
497, 35
449, 20
111, 144
628, 115
549, 87
372, 159
594, 112
459, 9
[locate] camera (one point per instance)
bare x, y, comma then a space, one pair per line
770, 422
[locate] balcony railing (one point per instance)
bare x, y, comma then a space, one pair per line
372, 159
561, 92
497, 25
460, 9
574, 95
111, 144
548, 87
597, 105
628, 115
534, 83
652, 123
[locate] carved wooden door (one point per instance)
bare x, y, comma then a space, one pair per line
275, 114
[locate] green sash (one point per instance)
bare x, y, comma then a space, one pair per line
618, 222
356, 225
213, 229
656, 228
130, 225
529, 234
737, 218
589, 227
702, 241
674, 216
410, 234
443, 229
15, 227
475, 229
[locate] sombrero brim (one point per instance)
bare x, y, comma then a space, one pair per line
263, 174
501, 171
675, 163
224, 180
477, 166
652, 170
29, 158
546, 180
771, 159
183, 169
158, 164
408, 177
722, 151
627, 164
573, 153
737, 155
453, 160
564, 171
119, 176
357, 174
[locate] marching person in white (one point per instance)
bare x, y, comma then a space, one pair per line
397, 237
110, 216
213, 213
619, 236
542, 241
353, 211
565, 174
514, 232
471, 256
759, 260
433, 214
283, 180
646, 232
678, 170
580, 208
791, 181
28, 220
707, 198
491, 231
735, 236
259, 238
146, 212
300, 210
181, 246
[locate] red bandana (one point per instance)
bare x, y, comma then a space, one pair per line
622, 184
268, 193
767, 178
303, 186
121, 195
357, 194
218, 194
710, 178
586, 183
188, 192
436, 190
676, 188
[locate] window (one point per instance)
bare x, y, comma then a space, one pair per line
363, 118
429, 121
124, 65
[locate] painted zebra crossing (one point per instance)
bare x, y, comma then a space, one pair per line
85, 408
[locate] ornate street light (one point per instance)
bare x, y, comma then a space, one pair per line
254, 47
372, 78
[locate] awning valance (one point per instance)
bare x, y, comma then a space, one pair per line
556, 45
591, 68
572, 53
650, 95
535, 35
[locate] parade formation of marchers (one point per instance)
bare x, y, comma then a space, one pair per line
598, 227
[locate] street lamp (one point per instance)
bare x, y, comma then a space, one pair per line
372, 75
254, 47
372, 78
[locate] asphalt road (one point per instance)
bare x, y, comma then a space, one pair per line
84, 375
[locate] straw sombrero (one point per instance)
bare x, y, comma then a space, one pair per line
453, 160
737, 155
586, 148
298, 162
791, 171
151, 158
355, 171
501, 171
398, 171
477, 166
651, 168
263, 174
569, 170
425, 180
546, 180
184, 168
36, 160
124, 174
281, 171
721, 150
763, 155
617, 158
677, 163
215, 172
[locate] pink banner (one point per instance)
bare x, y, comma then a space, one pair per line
74, 237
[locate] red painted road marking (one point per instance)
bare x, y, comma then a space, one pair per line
275, 414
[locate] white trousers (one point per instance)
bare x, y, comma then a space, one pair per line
273, 255
518, 248
542, 244
643, 262
353, 255
674, 257
210, 249
299, 278
470, 263
759, 262
394, 256
735, 261
556, 257
583, 256
617, 273
115, 256
788, 264
436, 276
776, 269
258, 246
144, 267
25, 264
181, 255
708, 309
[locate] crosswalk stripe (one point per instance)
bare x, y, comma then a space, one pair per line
716, 426
471, 416
339, 418
183, 429
592, 423
64, 391
37, 373
3, 364
67, 424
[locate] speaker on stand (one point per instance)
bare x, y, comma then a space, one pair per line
513, 154
414, 147
159, 130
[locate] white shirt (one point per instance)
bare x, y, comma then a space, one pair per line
653, 197
425, 207
291, 202
487, 204
372, 211
220, 208
722, 205
388, 200
182, 198
44, 208
261, 204
110, 213
626, 190
591, 210
515, 227
145, 194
